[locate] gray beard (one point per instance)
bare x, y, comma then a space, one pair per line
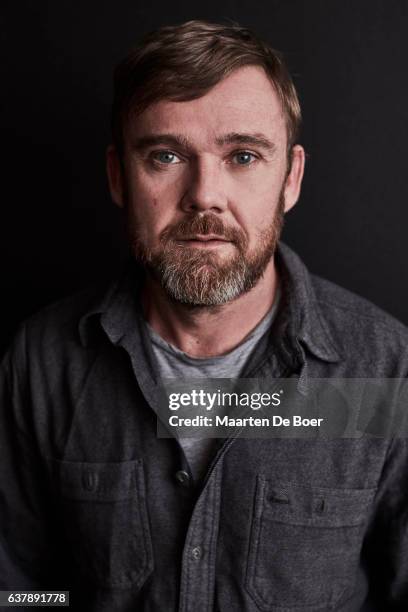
196, 278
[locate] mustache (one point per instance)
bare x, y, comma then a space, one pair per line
203, 225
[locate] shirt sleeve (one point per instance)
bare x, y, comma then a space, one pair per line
387, 548
28, 535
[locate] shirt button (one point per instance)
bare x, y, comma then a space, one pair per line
196, 552
183, 478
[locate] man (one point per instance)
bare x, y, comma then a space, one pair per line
204, 163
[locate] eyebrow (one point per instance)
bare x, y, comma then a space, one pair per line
177, 140
256, 139
171, 140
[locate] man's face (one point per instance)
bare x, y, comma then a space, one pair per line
205, 184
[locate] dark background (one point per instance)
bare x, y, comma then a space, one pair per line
59, 230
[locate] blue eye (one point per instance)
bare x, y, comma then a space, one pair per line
244, 158
166, 157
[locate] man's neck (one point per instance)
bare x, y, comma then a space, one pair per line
208, 331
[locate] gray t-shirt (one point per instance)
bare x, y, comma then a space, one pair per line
171, 362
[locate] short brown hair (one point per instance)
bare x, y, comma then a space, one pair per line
184, 62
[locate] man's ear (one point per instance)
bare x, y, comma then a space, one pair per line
294, 177
115, 175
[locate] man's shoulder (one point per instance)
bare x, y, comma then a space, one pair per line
57, 325
344, 304
66, 312
69, 324
356, 323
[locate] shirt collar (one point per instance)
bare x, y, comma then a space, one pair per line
299, 321
116, 308
301, 318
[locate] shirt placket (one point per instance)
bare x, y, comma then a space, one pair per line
200, 549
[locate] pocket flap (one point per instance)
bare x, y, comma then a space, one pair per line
297, 504
103, 482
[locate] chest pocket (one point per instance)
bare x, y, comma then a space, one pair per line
105, 515
304, 545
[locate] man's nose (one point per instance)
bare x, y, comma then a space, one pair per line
206, 188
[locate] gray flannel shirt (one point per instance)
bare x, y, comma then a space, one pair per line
93, 502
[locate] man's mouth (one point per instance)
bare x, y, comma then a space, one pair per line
203, 240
